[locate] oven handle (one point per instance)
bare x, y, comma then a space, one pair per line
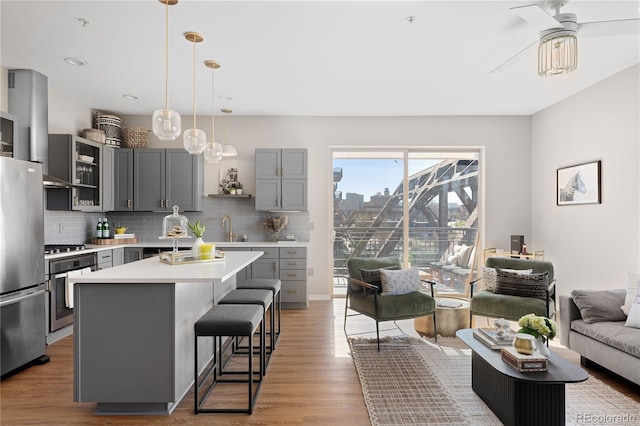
21, 298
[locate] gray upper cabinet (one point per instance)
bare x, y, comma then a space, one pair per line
108, 182
123, 180
158, 179
78, 161
281, 179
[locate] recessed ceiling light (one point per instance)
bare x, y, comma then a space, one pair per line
130, 97
411, 19
75, 61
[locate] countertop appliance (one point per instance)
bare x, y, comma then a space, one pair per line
22, 288
60, 312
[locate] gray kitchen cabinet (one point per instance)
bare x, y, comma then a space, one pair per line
158, 179
78, 161
281, 179
268, 265
118, 256
123, 180
293, 275
132, 254
105, 259
108, 182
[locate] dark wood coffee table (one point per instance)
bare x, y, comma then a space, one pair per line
520, 398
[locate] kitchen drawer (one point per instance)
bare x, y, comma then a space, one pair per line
294, 292
291, 263
105, 256
292, 274
269, 252
293, 253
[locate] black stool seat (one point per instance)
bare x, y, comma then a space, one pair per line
275, 285
248, 296
226, 320
237, 320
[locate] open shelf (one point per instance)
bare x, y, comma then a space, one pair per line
230, 196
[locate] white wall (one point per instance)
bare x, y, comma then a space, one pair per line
507, 142
591, 246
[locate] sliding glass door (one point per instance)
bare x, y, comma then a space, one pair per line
413, 204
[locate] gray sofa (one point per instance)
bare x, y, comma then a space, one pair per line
603, 337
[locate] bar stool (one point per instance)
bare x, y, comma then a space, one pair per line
275, 286
229, 321
263, 298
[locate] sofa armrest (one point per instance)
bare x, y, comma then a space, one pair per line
568, 313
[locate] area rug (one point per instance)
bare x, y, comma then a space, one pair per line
416, 382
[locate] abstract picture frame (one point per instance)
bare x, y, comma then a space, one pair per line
579, 184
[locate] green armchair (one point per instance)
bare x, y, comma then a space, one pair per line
365, 298
511, 307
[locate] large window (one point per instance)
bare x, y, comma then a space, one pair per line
409, 203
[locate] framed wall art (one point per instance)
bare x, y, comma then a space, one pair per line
579, 184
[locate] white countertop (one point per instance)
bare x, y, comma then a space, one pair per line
151, 270
93, 248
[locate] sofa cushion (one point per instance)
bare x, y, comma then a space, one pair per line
487, 303
633, 319
612, 333
516, 284
400, 282
633, 284
600, 305
403, 306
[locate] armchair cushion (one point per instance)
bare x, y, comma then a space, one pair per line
356, 264
372, 276
516, 284
403, 306
489, 304
399, 282
489, 276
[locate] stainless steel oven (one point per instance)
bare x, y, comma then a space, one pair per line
60, 311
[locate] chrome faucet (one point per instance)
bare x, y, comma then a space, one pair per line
231, 234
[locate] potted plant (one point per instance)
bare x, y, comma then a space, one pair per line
232, 189
238, 186
198, 230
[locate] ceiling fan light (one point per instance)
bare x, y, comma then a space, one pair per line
166, 124
194, 141
558, 53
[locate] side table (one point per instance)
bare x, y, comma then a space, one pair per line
449, 319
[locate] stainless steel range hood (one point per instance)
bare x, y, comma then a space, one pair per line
28, 99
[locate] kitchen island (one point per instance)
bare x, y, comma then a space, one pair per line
133, 330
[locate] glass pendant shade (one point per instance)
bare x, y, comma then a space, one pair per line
229, 151
213, 152
194, 141
166, 124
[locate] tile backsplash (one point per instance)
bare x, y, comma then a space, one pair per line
79, 227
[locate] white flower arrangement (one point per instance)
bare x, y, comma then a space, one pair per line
538, 326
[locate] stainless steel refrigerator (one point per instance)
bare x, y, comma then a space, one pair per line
22, 289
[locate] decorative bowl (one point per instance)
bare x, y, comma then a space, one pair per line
121, 230
524, 343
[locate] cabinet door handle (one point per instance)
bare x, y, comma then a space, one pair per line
166, 203
128, 203
161, 202
291, 275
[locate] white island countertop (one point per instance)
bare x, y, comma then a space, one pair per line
152, 270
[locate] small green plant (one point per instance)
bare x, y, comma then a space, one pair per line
197, 228
238, 185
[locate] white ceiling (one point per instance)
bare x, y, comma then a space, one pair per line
316, 58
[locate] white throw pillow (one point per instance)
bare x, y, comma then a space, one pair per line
465, 254
489, 276
633, 320
399, 282
633, 283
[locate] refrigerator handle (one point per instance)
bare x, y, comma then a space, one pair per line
21, 298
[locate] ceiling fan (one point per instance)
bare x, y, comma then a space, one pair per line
557, 43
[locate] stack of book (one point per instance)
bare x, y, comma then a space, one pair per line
490, 337
524, 363
119, 236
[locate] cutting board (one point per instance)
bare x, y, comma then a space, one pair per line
107, 241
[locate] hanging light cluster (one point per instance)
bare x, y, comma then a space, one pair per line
166, 124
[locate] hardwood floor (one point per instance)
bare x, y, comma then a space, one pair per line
311, 380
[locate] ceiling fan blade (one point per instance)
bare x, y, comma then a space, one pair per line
536, 16
609, 28
511, 60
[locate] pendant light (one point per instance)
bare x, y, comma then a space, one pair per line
166, 123
213, 150
228, 150
194, 140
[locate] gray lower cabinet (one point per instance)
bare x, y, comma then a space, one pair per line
267, 266
110, 258
293, 275
132, 254
281, 179
153, 179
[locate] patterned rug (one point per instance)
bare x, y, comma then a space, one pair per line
416, 382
